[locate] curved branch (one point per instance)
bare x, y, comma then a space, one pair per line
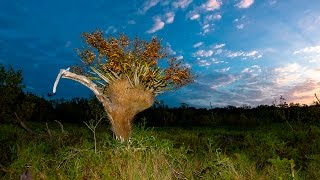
65, 73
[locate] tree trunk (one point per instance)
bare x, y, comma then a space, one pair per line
126, 102
121, 101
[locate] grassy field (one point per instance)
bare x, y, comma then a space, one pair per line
269, 152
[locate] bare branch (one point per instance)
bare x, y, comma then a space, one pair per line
65, 73
23, 124
317, 98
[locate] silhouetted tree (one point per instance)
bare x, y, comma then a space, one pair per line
10, 91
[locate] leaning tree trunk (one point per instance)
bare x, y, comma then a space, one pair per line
126, 101
121, 101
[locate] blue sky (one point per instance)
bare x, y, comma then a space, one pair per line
242, 51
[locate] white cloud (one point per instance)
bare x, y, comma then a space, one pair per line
235, 54
309, 54
272, 2
170, 17
245, 3
206, 26
195, 16
205, 29
219, 51
216, 61
213, 17
294, 73
223, 70
212, 5
244, 55
290, 68
187, 65
218, 46
170, 50
198, 44
203, 53
307, 50
148, 4
240, 22
251, 53
181, 3
158, 25
111, 30
202, 62
179, 57
254, 70
240, 26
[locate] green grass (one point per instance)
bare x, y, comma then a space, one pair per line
273, 152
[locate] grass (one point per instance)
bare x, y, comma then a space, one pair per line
273, 152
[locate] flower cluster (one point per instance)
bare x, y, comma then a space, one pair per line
136, 60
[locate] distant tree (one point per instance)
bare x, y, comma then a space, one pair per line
10, 90
125, 76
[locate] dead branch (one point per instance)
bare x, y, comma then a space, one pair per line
65, 73
62, 130
23, 124
48, 130
317, 98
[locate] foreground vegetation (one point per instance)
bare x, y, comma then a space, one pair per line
68, 152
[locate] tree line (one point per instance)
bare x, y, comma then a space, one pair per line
16, 105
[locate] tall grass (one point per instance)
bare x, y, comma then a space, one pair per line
158, 153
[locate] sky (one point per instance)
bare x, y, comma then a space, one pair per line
243, 52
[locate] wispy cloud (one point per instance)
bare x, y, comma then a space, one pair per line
306, 50
224, 80
183, 4
254, 70
213, 17
223, 70
244, 55
296, 82
303, 92
205, 29
218, 46
203, 62
309, 54
147, 5
158, 24
272, 2
179, 57
170, 50
207, 22
294, 73
244, 3
195, 16
240, 26
198, 44
169, 17
212, 5
309, 22
240, 22
203, 53
111, 30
